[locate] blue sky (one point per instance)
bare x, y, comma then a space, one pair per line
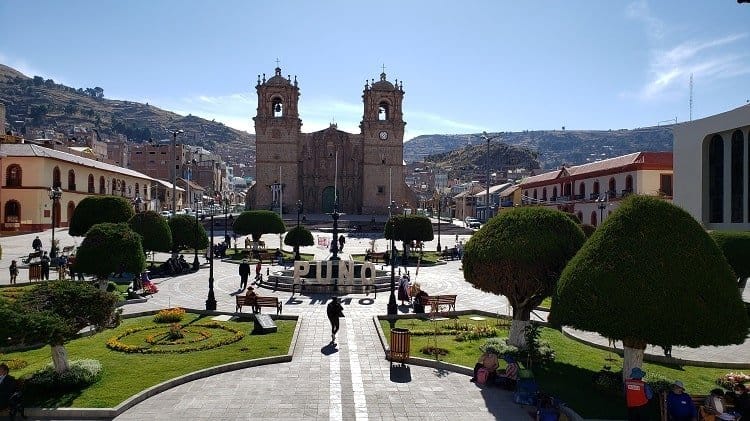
466, 66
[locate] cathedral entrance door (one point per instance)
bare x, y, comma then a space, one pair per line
327, 199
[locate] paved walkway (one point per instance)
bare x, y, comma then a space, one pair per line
352, 381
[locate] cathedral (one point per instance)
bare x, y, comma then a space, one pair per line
364, 171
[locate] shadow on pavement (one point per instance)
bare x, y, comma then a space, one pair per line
329, 349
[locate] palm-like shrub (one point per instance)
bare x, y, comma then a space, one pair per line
153, 229
651, 275
108, 248
94, 210
520, 254
187, 233
408, 228
297, 237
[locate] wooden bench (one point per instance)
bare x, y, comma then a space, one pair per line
377, 257
32, 256
257, 302
266, 257
698, 402
435, 301
450, 253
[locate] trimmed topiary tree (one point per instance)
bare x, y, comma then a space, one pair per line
299, 236
651, 275
94, 210
258, 222
520, 254
736, 248
153, 229
408, 228
108, 248
54, 312
187, 233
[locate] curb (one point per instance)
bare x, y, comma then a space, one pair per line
110, 413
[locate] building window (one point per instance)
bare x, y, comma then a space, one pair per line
716, 180
12, 211
381, 189
628, 186
277, 107
665, 184
71, 180
582, 190
554, 193
535, 195
738, 185
102, 186
92, 186
544, 194
13, 176
596, 188
593, 218
580, 216
383, 111
56, 183
612, 187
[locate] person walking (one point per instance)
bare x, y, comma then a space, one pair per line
258, 268
244, 273
403, 289
45, 266
13, 271
637, 395
36, 244
334, 311
342, 241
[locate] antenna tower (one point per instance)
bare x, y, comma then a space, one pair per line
691, 97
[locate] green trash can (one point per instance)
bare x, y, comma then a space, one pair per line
400, 344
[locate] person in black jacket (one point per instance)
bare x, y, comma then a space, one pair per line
36, 244
244, 273
335, 311
8, 387
45, 266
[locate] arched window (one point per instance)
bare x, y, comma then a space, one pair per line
13, 176
544, 193
738, 185
628, 185
593, 218
554, 193
716, 180
582, 191
612, 187
102, 185
384, 113
113, 186
535, 194
145, 192
12, 211
92, 186
56, 183
596, 187
567, 187
580, 216
137, 192
71, 210
71, 180
277, 106
122, 187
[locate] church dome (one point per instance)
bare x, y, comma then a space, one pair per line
277, 79
382, 84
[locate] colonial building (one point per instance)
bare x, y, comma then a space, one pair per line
365, 170
29, 171
592, 191
711, 167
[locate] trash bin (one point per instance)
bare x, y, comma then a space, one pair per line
400, 340
35, 272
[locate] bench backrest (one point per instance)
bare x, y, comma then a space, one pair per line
267, 300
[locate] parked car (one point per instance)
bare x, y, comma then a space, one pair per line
472, 222
166, 213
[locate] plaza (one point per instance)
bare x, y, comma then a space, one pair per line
354, 381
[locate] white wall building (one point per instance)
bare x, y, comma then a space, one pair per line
711, 157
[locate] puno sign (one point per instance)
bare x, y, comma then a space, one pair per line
345, 271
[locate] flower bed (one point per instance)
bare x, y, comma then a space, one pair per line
194, 339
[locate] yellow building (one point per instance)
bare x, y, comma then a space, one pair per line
29, 171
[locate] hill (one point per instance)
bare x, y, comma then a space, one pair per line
471, 160
554, 147
39, 103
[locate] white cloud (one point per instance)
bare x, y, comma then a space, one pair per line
641, 11
29, 70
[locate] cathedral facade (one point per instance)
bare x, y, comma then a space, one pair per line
365, 171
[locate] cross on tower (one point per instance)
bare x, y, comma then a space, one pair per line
383, 68
277, 62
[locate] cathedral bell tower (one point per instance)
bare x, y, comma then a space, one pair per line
383, 143
277, 129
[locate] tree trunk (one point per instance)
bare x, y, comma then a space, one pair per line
103, 282
516, 335
60, 358
633, 356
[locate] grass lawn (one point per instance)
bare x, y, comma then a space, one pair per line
429, 258
126, 374
246, 253
12, 292
570, 376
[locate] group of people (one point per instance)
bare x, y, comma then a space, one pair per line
486, 371
679, 403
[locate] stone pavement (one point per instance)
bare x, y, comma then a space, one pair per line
353, 381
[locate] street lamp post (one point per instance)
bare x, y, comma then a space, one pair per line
211, 300
226, 218
196, 263
439, 207
487, 164
137, 203
296, 246
55, 194
174, 179
392, 306
603, 201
